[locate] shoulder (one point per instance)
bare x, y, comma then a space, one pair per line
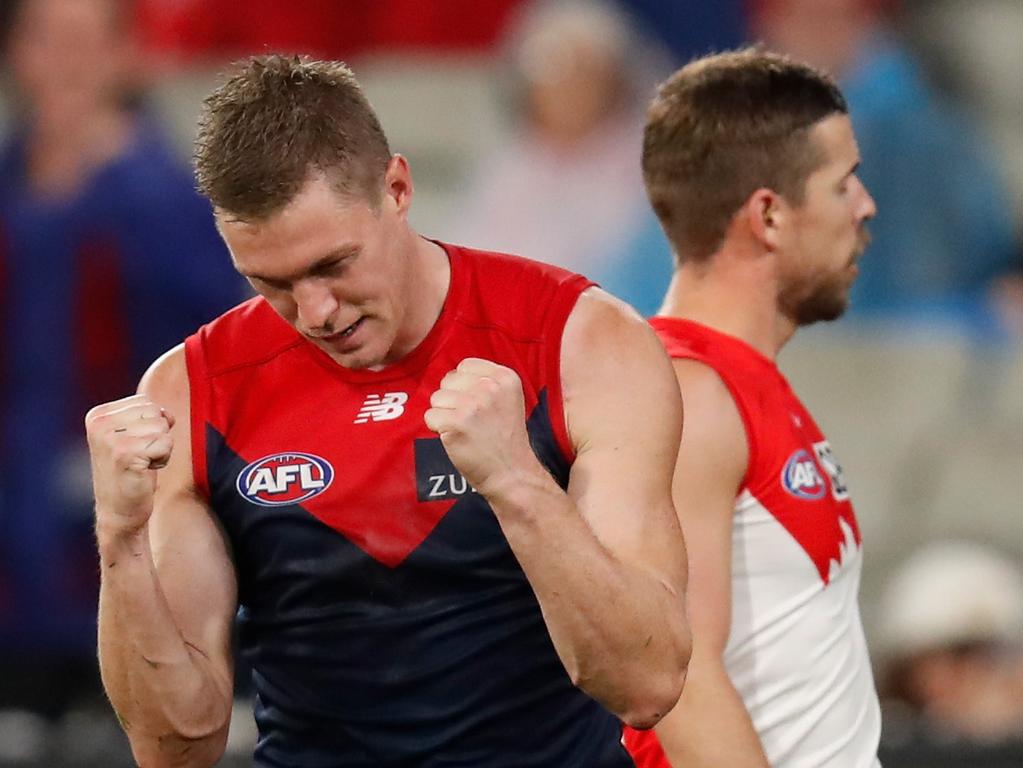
704, 392
599, 319
166, 384
702, 384
166, 381
611, 354
714, 428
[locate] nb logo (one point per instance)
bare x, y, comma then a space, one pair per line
382, 407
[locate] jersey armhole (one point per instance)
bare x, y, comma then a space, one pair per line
198, 393
561, 307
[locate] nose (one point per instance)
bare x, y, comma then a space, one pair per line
315, 306
867, 208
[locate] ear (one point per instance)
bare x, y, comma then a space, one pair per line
398, 188
765, 213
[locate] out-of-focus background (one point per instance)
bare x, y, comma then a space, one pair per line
522, 122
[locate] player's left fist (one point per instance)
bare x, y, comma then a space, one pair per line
479, 413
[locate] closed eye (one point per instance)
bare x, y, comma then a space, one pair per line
335, 267
273, 285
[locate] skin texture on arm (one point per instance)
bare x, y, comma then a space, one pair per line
710, 725
607, 559
168, 589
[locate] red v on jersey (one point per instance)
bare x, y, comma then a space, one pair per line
297, 418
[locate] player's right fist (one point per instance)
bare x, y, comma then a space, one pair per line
129, 440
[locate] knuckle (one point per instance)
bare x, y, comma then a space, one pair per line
489, 387
507, 376
96, 418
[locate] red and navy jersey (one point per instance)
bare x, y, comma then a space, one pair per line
384, 615
796, 651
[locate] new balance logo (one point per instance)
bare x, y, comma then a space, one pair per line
382, 407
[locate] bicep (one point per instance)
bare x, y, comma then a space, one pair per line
624, 417
711, 464
190, 551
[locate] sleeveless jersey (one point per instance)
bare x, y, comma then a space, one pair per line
384, 616
796, 653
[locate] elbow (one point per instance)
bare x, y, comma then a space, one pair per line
639, 701
649, 706
663, 687
176, 750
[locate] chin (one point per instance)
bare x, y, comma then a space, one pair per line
357, 361
366, 357
821, 307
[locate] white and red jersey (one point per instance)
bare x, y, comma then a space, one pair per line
796, 653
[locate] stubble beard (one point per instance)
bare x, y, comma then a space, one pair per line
828, 298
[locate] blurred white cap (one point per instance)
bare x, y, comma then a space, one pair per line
952, 592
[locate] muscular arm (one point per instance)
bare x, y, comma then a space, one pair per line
168, 591
606, 559
622, 632
710, 725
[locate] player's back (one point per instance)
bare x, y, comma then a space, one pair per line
384, 615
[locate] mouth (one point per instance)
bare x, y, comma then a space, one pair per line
343, 334
863, 242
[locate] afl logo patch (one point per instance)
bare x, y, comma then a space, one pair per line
801, 478
284, 478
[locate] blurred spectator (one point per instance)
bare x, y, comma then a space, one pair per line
567, 188
944, 228
218, 29
107, 258
952, 624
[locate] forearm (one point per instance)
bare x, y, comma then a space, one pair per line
710, 726
173, 704
620, 630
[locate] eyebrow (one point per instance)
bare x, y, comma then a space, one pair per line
320, 265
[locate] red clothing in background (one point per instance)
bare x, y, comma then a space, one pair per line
332, 28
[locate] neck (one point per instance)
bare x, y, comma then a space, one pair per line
737, 295
427, 284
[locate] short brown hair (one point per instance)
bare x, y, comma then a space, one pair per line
724, 126
279, 119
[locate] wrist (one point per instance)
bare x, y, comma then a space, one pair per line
517, 486
114, 540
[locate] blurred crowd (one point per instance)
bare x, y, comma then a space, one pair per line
108, 257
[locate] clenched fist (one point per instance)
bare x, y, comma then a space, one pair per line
479, 413
128, 440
